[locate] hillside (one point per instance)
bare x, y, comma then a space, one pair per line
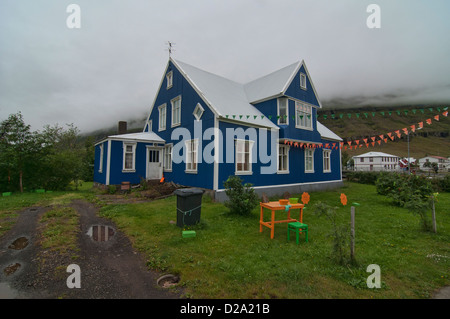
359, 123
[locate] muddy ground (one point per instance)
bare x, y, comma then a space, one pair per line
109, 269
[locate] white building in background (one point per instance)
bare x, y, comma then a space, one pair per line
442, 162
376, 161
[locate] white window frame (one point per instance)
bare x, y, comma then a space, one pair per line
279, 113
286, 148
302, 109
162, 117
100, 164
250, 150
167, 157
303, 84
150, 125
198, 107
326, 161
174, 123
191, 155
307, 152
133, 161
169, 78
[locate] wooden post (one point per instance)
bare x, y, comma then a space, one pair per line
433, 213
352, 234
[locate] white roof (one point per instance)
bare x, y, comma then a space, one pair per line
326, 132
375, 154
224, 96
144, 137
271, 84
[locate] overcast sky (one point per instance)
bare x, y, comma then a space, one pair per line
110, 68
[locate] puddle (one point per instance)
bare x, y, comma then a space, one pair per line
11, 269
101, 232
6, 292
19, 243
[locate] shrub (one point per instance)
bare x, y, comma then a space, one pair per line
362, 177
402, 188
242, 197
340, 232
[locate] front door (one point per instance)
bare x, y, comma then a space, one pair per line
154, 164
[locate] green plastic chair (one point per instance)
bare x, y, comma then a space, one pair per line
297, 227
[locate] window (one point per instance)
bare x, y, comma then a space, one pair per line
303, 81
149, 126
129, 155
100, 164
283, 111
169, 78
191, 156
168, 157
309, 161
162, 117
326, 161
362, 160
198, 111
283, 159
176, 111
371, 159
244, 157
303, 116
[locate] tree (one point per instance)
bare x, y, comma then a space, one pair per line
17, 147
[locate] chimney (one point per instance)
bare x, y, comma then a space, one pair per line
122, 127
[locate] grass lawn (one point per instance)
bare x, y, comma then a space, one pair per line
230, 258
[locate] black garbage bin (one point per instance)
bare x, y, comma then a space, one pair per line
189, 204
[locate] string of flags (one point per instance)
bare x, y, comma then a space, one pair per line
369, 141
383, 113
380, 138
363, 115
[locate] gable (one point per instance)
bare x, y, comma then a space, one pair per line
294, 90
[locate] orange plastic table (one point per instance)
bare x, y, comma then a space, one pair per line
275, 206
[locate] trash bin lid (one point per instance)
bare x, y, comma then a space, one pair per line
184, 192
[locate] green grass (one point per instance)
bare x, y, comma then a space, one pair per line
229, 258
59, 229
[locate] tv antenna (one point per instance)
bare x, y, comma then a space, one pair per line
170, 47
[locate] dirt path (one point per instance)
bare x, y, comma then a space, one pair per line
109, 269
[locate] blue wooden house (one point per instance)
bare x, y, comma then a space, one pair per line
203, 128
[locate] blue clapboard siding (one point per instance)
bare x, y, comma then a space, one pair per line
296, 165
100, 177
296, 92
189, 100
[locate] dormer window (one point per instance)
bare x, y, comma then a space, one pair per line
303, 81
169, 78
198, 112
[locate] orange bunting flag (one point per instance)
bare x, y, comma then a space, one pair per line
367, 145
349, 142
421, 124
296, 144
445, 113
373, 138
326, 145
413, 128
334, 145
285, 141
360, 145
373, 143
398, 133
405, 130
436, 117
385, 140
379, 142
381, 136
365, 140
428, 121
392, 138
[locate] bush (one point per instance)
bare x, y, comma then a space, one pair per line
362, 177
242, 198
402, 188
